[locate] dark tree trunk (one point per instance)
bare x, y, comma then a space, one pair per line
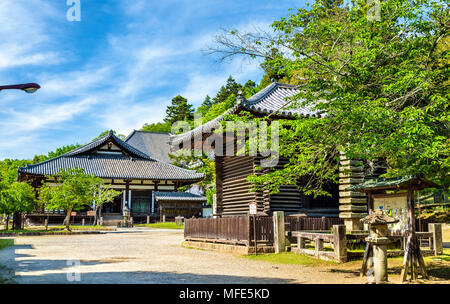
96, 216
17, 220
67, 219
7, 221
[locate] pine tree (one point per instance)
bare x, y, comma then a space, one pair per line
231, 87
179, 110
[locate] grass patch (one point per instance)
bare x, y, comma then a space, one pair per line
445, 256
289, 258
6, 243
96, 227
167, 225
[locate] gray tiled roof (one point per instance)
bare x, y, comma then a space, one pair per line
135, 165
178, 196
102, 140
270, 100
154, 144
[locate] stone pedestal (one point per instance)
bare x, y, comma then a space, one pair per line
379, 240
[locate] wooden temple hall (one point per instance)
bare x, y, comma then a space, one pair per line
143, 175
232, 188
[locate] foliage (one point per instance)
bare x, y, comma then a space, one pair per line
179, 110
231, 87
442, 216
73, 190
14, 196
202, 164
380, 85
52, 154
156, 127
205, 106
102, 194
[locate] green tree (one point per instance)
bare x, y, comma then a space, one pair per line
156, 127
103, 194
52, 154
206, 104
179, 110
73, 190
231, 87
202, 164
6, 206
17, 198
381, 85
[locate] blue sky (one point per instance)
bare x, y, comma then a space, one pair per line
117, 68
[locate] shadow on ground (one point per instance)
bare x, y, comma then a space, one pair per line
66, 273
144, 277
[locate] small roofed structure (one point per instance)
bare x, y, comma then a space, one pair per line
396, 196
126, 168
378, 218
396, 183
173, 204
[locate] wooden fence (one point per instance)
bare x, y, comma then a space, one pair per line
233, 230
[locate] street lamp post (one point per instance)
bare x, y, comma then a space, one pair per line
28, 88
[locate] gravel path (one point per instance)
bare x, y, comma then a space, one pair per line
146, 256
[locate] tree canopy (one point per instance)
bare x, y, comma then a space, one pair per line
179, 110
380, 85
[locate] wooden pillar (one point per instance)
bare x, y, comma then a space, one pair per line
127, 193
318, 246
279, 236
219, 184
340, 242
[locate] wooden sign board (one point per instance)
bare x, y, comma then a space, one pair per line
91, 213
394, 206
73, 214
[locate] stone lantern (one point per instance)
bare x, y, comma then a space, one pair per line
378, 240
126, 214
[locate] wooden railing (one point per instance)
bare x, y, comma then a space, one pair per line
337, 239
297, 223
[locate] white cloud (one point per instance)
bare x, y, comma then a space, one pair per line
41, 116
24, 29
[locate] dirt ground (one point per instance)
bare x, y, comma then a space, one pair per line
155, 256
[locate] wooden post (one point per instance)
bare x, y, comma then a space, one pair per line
46, 223
300, 242
340, 242
82, 221
413, 258
279, 232
148, 219
254, 234
318, 246
436, 230
367, 254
